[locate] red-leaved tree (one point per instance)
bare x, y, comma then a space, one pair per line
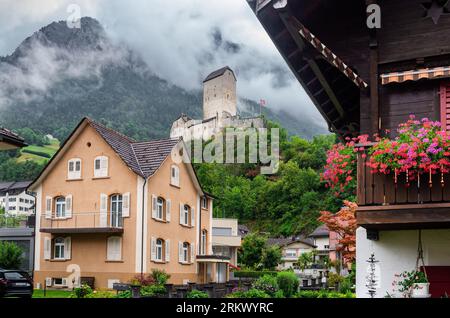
344, 224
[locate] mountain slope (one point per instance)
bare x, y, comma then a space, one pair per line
59, 75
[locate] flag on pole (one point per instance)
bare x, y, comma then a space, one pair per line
262, 103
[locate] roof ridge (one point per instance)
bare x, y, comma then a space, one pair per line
155, 140
129, 139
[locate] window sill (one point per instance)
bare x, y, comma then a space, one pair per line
101, 178
58, 260
159, 220
73, 180
159, 262
185, 263
114, 261
187, 226
175, 186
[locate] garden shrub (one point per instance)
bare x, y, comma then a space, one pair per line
267, 284
252, 293
83, 291
142, 280
197, 294
124, 294
288, 282
153, 290
322, 294
10, 255
160, 277
253, 274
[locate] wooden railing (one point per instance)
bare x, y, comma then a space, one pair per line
398, 188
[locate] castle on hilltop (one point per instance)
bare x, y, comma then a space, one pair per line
219, 110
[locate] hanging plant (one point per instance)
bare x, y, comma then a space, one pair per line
340, 169
421, 145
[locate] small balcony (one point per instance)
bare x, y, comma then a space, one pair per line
83, 222
397, 201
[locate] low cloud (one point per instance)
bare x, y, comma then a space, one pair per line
183, 40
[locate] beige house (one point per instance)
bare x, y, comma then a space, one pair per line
226, 239
291, 249
109, 208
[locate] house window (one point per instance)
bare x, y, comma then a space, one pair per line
116, 210
59, 248
74, 169
60, 207
291, 253
185, 252
101, 167
204, 242
175, 176
159, 250
327, 247
114, 248
160, 208
186, 214
205, 203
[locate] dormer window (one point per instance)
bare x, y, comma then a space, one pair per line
175, 176
101, 167
74, 169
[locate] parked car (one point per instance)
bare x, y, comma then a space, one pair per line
15, 283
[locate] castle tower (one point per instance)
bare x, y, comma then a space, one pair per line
219, 94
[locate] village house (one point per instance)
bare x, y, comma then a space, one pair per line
15, 199
109, 208
10, 140
226, 239
367, 71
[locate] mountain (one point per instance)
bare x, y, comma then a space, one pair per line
60, 74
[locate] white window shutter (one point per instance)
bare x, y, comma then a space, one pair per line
153, 249
77, 172
114, 248
109, 248
126, 205
47, 248
167, 258
103, 210
182, 214
177, 176
154, 206
48, 281
192, 252
168, 208
64, 282
69, 202
104, 166
67, 248
48, 207
192, 217
180, 252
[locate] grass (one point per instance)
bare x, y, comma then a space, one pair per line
48, 149
39, 293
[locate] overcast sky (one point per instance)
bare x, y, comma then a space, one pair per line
181, 40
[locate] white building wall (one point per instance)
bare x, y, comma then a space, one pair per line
20, 204
396, 252
322, 243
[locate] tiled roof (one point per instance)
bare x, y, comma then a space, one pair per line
320, 231
12, 137
144, 158
14, 186
218, 73
151, 154
288, 240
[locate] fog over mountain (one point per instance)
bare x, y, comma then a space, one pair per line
60, 74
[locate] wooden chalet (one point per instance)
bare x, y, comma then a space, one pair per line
368, 80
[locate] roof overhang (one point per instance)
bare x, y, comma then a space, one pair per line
332, 85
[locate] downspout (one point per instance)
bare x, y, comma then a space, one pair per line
142, 229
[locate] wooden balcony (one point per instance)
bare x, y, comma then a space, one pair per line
395, 201
91, 222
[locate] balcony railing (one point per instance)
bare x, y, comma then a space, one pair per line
399, 188
83, 222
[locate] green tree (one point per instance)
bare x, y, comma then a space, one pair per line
271, 257
10, 255
305, 260
251, 250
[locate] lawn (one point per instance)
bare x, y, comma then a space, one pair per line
39, 293
48, 149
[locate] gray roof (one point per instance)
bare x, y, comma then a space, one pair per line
218, 73
144, 158
320, 231
284, 241
14, 186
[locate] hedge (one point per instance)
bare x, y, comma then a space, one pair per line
37, 153
253, 274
